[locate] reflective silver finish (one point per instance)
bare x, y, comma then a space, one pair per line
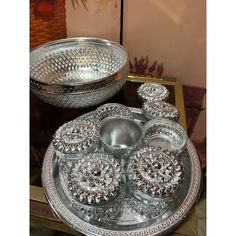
166, 134
154, 109
120, 136
75, 138
78, 72
154, 175
126, 215
149, 91
112, 110
94, 179
93, 185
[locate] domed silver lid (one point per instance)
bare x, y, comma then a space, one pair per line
154, 173
149, 91
75, 136
95, 179
153, 109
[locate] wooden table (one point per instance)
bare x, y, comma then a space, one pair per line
44, 121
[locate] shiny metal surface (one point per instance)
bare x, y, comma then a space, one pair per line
112, 110
154, 175
149, 91
78, 72
166, 134
130, 216
75, 138
120, 136
154, 109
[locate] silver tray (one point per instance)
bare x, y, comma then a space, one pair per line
131, 222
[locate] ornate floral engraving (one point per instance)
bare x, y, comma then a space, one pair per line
149, 91
154, 173
95, 179
154, 109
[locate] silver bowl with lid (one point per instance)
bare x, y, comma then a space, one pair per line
148, 91
154, 109
78, 72
154, 175
93, 184
75, 138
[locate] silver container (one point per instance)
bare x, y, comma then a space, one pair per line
154, 175
166, 134
148, 91
120, 136
75, 138
93, 184
78, 72
154, 109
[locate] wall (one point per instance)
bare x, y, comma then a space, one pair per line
173, 32
94, 19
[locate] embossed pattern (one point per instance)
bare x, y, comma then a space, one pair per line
153, 109
158, 228
75, 136
149, 91
67, 72
112, 110
154, 173
95, 179
133, 208
167, 132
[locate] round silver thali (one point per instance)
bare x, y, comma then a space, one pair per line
135, 218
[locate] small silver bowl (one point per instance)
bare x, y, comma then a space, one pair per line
120, 136
154, 109
166, 134
75, 138
78, 72
154, 175
112, 110
149, 91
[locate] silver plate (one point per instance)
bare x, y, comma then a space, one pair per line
135, 219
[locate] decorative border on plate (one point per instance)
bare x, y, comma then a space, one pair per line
155, 229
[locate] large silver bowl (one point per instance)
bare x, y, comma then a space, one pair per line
78, 72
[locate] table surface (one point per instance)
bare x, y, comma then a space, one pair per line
45, 120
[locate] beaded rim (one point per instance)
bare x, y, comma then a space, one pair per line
111, 110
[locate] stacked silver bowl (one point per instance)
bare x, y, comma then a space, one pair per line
78, 72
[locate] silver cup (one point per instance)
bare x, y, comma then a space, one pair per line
120, 137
